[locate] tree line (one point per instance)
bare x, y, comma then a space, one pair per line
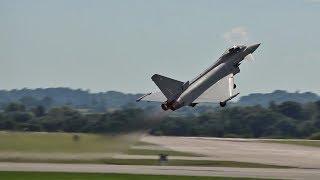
285, 120
103, 101
65, 119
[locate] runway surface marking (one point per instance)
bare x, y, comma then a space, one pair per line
294, 173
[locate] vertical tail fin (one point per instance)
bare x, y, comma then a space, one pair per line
169, 87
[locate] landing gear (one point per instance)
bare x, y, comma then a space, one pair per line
234, 86
193, 104
164, 107
223, 104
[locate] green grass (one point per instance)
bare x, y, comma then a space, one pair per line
143, 143
151, 162
161, 151
28, 142
63, 142
58, 148
97, 176
314, 143
178, 162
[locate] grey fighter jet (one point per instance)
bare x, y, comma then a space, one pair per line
215, 84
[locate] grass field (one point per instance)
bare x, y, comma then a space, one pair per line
42, 143
97, 176
64, 142
151, 162
314, 143
99, 149
176, 162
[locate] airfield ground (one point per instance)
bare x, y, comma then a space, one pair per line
99, 176
293, 153
137, 154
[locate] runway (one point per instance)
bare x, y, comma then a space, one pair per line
166, 170
304, 159
243, 150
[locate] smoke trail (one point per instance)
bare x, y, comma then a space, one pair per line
157, 115
237, 35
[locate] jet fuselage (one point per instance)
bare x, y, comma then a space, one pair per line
227, 64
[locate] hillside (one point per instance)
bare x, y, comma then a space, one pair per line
84, 99
78, 98
277, 96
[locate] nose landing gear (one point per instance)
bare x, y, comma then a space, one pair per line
223, 104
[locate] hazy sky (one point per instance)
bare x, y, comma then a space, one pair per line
118, 45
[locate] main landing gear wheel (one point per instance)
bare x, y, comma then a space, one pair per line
193, 104
164, 107
223, 104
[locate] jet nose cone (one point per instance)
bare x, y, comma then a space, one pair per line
252, 48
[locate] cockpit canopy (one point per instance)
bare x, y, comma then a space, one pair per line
234, 49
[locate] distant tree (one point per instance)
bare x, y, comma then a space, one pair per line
317, 121
317, 103
286, 120
63, 119
94, 101
39, 111
306, 128
286, 128
47, 102
261, 123
291, 109
12, 107
20, 116
273, 106
309, 111
29, 101
7, 124
315, 136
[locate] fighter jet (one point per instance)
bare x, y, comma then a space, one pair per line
215, 84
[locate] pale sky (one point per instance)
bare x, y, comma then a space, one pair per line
105, 45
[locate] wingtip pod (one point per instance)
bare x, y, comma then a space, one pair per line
140, 98
152, 97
